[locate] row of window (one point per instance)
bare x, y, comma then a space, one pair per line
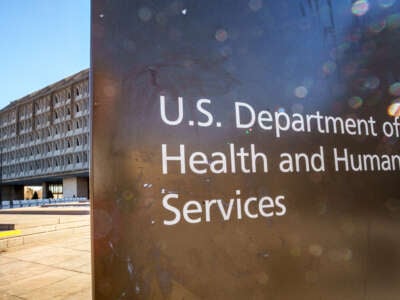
26, 137
42, 104
61, 114
8, 131
43, 120
40, 166
25, 111
65, 111
7, 118
45, 148
25, 125
82, 89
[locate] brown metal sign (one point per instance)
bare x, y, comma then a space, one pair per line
245, 149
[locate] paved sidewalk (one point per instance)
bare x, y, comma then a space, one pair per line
51, 269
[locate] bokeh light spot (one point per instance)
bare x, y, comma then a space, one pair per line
377, 26
255, 5
360, 7
386, 3
394, 108
300, 92
371, 83
393, 21
221, 35
394, 89
280, 109
329, 67
355, 102
315, 250
145, 14
295, 251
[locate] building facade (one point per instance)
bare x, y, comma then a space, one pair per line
45, 141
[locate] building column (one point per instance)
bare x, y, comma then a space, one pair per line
76, 187
45, 190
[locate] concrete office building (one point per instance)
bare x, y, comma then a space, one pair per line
45, 140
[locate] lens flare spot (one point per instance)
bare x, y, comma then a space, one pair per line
280, 109
355, 102
315, 250
262, 278
393, 21
394, 89
221, 35
255, 5
386, 3
344, 46
145, 14
394, 108
295, 251
377, 26
360, 7
347, 254
329, 67
371, 83
300, 92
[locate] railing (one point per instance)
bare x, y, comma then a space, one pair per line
7, 204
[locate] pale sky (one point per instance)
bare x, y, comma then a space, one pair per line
42, 41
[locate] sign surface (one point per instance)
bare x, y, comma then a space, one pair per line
246, 149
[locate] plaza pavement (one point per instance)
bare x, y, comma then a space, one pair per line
49, 259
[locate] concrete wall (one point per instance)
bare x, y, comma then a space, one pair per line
76, 186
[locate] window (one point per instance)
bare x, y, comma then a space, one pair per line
77, 91
55, 115
68, 111
77, 108
56, 189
